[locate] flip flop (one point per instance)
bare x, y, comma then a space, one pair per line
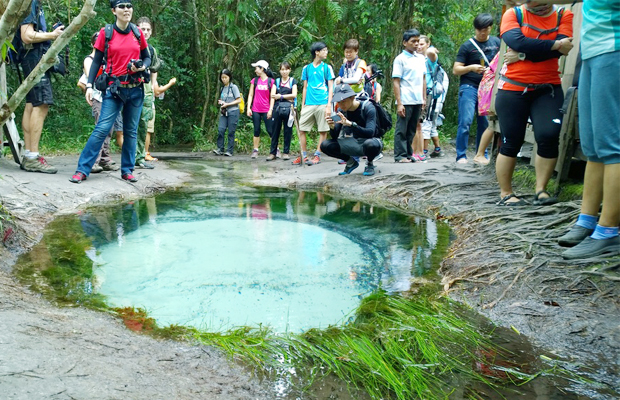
545, 201
504, 201
404, 160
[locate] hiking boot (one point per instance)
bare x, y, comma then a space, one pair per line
271, 157
96, 169
109, 167
315, 160
254, 153
594, 247
228, 154
574, 236
369, 170
38, 165
297, 161
129, 178
217, 152
144, 165
285, 156
350, 167
438, 154
78, 177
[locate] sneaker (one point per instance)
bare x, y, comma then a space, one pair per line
78, 177
228, 154
96, 169
144, 165
315, 160
129, 177
377, 158
254, 153
574, 236
369, 170
285, 156
217, 152
349, 168
418, 158
297, 161
271, 157
278, 155
38, 165
594, 247
437, 154
110, 167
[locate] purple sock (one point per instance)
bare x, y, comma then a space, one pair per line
604, 232
586, 221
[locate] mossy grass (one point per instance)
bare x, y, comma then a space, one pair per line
524, 178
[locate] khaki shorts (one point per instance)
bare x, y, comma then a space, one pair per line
150, 127
313, 115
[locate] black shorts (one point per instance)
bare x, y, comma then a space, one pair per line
41, 93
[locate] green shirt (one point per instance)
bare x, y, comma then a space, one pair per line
155, 66
600, 31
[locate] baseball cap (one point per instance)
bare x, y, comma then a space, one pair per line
341, 92
261, 63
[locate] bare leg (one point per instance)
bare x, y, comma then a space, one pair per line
147, 142
322, 137
436, 141
119, 139
426, 141
592, 188
26, 124
504, 168
256, 142
302, 141
544, 171
418, 140
35, 126
485, 140
610, 216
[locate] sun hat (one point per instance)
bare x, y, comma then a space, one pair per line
261, 63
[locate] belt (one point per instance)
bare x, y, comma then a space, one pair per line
533, 86
130, 85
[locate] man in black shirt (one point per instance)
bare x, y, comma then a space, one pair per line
472, 60
352, 131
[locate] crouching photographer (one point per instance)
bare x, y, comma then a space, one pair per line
352, 130
119, 47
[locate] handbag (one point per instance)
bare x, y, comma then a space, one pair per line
485, 89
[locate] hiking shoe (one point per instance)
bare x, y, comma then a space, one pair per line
285, 156
110, 167
217, 152
438, 154
278, 155
228, 154
419, 158
594, 247
315, 160
350, 167
271, 157
38, 165
144, 165
96, 169
254, 153
377, 158
574, 236
369, 170
129, 177
78, 177
297, 161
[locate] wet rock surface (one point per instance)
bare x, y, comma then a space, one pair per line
504, 262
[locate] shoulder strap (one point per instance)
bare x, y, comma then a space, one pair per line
479, 50
519, 14
108, 32
278, 82
136, 31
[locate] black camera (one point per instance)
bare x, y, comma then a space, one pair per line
57, 24
136, 63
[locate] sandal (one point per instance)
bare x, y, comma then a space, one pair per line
505, 202
404, 160
545, 201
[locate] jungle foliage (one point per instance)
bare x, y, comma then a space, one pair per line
197, 38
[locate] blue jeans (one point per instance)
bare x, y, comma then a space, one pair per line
468, 105
111, 106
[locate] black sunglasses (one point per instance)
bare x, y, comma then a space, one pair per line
124, 6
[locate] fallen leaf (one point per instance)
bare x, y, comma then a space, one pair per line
551, 303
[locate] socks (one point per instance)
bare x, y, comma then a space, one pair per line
438, 149
425, 151
304, 154
31, 155
586, 221
604, 232
316, 153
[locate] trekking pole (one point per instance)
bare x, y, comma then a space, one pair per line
301, 152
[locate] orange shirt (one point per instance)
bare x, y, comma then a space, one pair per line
534, 72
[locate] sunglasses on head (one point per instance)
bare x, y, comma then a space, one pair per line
124, 6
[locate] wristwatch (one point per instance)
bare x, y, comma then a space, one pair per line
353, 124
521, 56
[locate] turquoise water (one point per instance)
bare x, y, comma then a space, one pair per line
221, 259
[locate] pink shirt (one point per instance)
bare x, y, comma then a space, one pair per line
260, 103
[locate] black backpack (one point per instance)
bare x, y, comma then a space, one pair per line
384, 118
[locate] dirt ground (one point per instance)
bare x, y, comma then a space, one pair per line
504, 263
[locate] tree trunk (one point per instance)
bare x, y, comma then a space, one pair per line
48, 60
12, 14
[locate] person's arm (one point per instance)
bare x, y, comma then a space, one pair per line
293, 95
158, 90
236, 95
355, 78
378, 91
30, 36
250, 99
461, 69
516, 40
431, 53
303, 94
87, 62
400, 108
272, 100
92, 74
330, 93
369, 114
424, 90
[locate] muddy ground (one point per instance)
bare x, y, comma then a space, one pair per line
504, 263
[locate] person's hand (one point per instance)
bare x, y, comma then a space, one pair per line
269, 114
89, 96
338, 80
249, 113
343, 120
511, 56
400, 110
134, 69
477, 68
566, 45
172, 82
58, 31
330, 121
328, 110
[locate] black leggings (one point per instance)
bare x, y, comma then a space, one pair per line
369, 148
543, 107
256, 117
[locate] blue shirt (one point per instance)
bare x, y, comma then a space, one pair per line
411, 69
317, 92
600, 30
37, 18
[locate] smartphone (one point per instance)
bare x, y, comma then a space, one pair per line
336, 118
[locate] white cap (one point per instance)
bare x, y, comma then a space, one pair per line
261, 63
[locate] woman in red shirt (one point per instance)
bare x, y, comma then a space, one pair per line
530, 88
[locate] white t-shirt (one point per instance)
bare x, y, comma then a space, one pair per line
411, 69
